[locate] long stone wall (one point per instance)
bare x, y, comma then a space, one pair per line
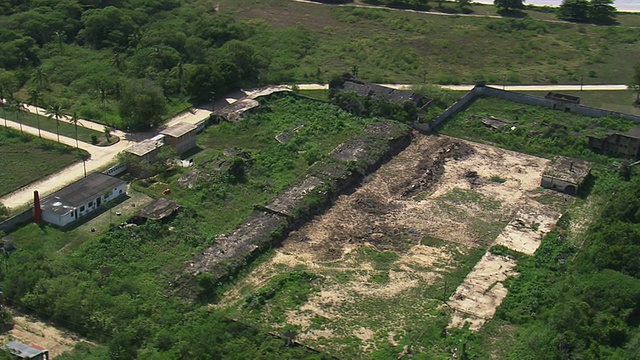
344, 167
554, 104
478, 91
457, 106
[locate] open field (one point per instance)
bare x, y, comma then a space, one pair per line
411, 232
532, 129
315, 128
395, 46
621, 101
25, 159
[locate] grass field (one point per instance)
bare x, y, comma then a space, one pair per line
395, 46
24, 159
269, 167
536, 130
621, 101
64, 128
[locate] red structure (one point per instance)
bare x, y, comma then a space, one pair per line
37, 211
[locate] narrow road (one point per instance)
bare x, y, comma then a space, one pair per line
100, 157
611, 87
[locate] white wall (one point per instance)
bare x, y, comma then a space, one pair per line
55, 219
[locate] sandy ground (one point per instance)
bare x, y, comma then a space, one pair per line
31, 331
462, 195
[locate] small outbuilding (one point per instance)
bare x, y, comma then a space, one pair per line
181, 136
626, 144
81, 198
160, 209
379, 92
147, 149
24, 351
565, 174
236, 110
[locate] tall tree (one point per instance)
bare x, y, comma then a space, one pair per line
35, 97
74, 120
180, 68
635, 82
55, 112
8, 84
18, 108
40, 77
574, 10
602, 11
118, 62
508, 5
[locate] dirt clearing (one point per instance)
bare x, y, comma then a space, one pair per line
385, 256
31, 331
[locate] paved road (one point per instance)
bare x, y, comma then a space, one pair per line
100, 158
613, 87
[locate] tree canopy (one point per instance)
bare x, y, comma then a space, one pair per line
594, 11
508, 5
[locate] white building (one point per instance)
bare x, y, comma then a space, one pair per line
80, 198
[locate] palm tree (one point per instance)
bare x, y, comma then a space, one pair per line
55, 112
74, 120
3, 103
118, 62
180, 68
18, 108
35, 97
40, 77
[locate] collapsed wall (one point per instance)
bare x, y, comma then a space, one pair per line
343, 168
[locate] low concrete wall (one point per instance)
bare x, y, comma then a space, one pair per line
523, 99
554, 104
14, 222
457, 106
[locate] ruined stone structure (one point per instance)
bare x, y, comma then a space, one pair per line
565, 174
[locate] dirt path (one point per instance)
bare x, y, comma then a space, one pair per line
430, 206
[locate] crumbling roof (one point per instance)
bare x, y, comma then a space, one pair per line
80, 193
178, 129
24, 351
159, 209
288, 200
568, 169
562, 97
233, 112
379, 92
146, 146
633, 133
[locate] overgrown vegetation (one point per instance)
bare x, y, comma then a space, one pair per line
25, 158
130, 65
535, 130
120, 287
582, 300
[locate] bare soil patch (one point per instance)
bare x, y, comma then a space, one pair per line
379, 249
31, 331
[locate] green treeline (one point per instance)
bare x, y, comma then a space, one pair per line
131, 63
582, 303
